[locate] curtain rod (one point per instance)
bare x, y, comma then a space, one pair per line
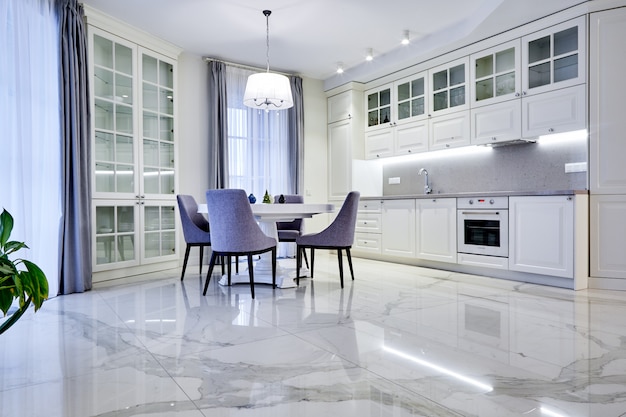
243, 66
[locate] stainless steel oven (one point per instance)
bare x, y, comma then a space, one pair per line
483, 226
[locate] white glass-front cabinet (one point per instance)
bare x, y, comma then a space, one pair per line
134, 206
496, 74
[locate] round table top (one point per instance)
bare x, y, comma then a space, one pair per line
284, 212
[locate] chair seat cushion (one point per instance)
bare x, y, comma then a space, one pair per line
288, 235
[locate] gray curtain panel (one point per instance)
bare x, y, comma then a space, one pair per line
218, 126
296, 136
75, 264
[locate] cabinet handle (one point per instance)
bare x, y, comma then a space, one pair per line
569, 198
517, 94
493, 138
409, 151
447, 144
524, 93
551, 130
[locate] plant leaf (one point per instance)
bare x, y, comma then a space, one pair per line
6, 226
38, 284
14, 246
6, 299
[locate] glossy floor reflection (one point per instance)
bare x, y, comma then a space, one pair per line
398, 341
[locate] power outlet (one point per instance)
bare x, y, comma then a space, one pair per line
394, 180
576, 167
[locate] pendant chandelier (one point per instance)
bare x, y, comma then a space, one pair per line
265, 90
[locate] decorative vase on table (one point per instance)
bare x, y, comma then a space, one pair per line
252, 198
266, 198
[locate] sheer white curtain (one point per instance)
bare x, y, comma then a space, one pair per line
30, 149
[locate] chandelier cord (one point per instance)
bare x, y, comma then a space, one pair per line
267, 14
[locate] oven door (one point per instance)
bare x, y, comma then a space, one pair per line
483, 232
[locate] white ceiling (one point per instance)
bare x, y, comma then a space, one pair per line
309, 37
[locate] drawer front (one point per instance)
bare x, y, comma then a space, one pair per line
368, 222
370, 206
367, 242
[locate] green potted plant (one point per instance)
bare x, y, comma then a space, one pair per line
20, 279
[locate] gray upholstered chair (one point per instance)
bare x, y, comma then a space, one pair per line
339, 235
289, 231
195, 228
235, 232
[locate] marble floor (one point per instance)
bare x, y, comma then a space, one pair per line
397, 341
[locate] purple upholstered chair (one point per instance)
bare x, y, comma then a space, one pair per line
339, 235
195, 228
289, 231
235, 232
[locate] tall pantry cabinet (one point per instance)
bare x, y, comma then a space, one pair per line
607, 171
134, 141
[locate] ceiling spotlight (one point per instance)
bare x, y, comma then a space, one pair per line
369, 55
405, 38
340, 68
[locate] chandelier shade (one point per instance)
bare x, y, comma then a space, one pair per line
265, 90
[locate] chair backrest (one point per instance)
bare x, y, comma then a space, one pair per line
195, 225
233, 227
340, 232
295, 224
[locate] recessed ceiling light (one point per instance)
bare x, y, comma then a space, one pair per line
369, 54
405, 38
340, 68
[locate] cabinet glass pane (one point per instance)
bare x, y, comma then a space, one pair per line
123, 89
505, 84
372, 101
566, 68
168, 218
484, 66
372, 118
385, 97
440, 80
404, 91
104, 114
417, 87
168, 243
167, 155
152, 219
125, 247
457, 96
104, 146
125, 178
385, 114
404, 110
457, 75
166, 101
484, 89
150, 97
417, 106
123, 118
150, 152
103, 83
167, 181
125, 219
166, 74
167, 128
440, 100
103, 52
105, 249
105, 179
539, 49
124, 149
105, 220
566, 41
149, 69
505, 60
539, 75
151, 180
152, 244
150, 125
123, 59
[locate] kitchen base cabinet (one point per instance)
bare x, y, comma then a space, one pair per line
541, 235
367, 238
398, 228
608, 236
436, 229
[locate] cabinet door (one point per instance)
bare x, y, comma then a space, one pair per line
557, 111
541, 235
116, 230
340, 107
436, 229
398, 219
411, 98
411, 138
496, 74
379, 108
449, 131
496, 123
367, 242
608, 236
449, 91
379, 143
555, 57
339, 159
158, 221
607, 124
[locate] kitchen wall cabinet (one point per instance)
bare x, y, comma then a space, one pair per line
134, 153
368, 238
496, 123
449, 131
398, 228
436, 229
345, 140
401, 139
541, 235
379, 108
495, 74
449, 87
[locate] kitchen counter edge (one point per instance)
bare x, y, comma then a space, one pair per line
477, 194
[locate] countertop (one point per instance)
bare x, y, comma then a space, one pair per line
478, 194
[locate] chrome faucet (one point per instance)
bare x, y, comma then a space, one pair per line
427, 189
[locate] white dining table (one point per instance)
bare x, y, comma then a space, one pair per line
267, 215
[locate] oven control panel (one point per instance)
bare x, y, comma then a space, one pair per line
483, 202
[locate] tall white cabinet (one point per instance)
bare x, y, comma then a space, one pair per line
134, 210
607, 171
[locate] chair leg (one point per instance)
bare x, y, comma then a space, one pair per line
208, 275
340, 259
251, 274
201, 256
229, 267
350, 263
306, 261
274, 267
182, 275
222, 262
236, 264
298, 264
312, 261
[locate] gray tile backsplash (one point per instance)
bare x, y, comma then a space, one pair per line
522, 167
